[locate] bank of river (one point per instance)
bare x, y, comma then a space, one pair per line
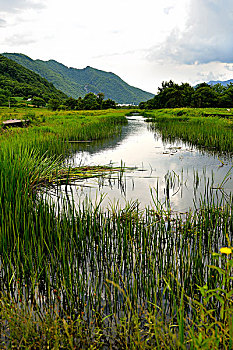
175, 172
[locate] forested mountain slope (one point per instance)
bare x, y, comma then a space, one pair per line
16, 80
78, 82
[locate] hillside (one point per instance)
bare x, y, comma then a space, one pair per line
78, 82
224, 83
16, 80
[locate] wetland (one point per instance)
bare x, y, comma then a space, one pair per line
146, 266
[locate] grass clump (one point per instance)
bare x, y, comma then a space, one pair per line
213, 132
75, 277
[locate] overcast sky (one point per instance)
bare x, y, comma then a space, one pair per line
142, 41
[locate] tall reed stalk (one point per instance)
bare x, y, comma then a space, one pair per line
77, 277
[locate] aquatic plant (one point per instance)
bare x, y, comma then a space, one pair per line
213, 133
74, 276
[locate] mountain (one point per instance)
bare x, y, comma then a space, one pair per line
78, 82
16, 80
224, 83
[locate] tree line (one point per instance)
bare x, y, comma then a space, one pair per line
89, 102
172, 95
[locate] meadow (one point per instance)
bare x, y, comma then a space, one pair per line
81, 278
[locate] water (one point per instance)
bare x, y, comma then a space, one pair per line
174, 173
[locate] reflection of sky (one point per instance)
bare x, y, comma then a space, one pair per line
139, 147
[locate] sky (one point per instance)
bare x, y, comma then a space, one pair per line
145, 42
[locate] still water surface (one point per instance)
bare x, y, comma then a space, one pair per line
177, 171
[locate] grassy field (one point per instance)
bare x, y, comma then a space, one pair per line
124, 279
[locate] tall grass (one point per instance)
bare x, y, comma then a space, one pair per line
211, 133
120, 279
95, 266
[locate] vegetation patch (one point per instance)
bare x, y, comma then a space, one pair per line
75, 277
203, 128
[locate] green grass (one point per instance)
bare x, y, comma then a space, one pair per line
210, 129
51, 131
74, 277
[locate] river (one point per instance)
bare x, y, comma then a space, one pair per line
177, 174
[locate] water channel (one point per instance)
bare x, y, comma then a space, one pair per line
173, 172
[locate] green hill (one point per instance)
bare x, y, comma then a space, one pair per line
78, 82
16, 80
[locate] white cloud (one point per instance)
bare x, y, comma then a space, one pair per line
207, 36
17, 5
143, 42
208, 76
19, 40
3, 23
168, 9
229, 67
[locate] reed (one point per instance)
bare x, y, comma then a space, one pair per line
213, 133
79, 277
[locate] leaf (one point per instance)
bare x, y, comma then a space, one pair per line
229, 294
215, 255
216, 290
219, 299
200, 338
221, 271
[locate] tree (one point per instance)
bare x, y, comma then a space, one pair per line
186, 94
202, 85
79, 104
205, 96
108, 104
54, 104
38, 102
165, 85
100, 98
3, 97
219, 88
90, 101
70, 103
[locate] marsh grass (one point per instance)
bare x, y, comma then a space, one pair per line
213, 132
140, 276
83, 278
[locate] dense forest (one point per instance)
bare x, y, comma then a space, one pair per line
16, 80
172, 95
78, 82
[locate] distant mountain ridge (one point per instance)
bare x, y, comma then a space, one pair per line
224, 82
78, 82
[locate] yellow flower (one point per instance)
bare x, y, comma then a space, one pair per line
226, 250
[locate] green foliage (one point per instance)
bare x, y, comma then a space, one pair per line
108, 104
89, 102
54, 104
70, 103
79, 82
211, 129
38, 102
16, 80
75, 277
172, 95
